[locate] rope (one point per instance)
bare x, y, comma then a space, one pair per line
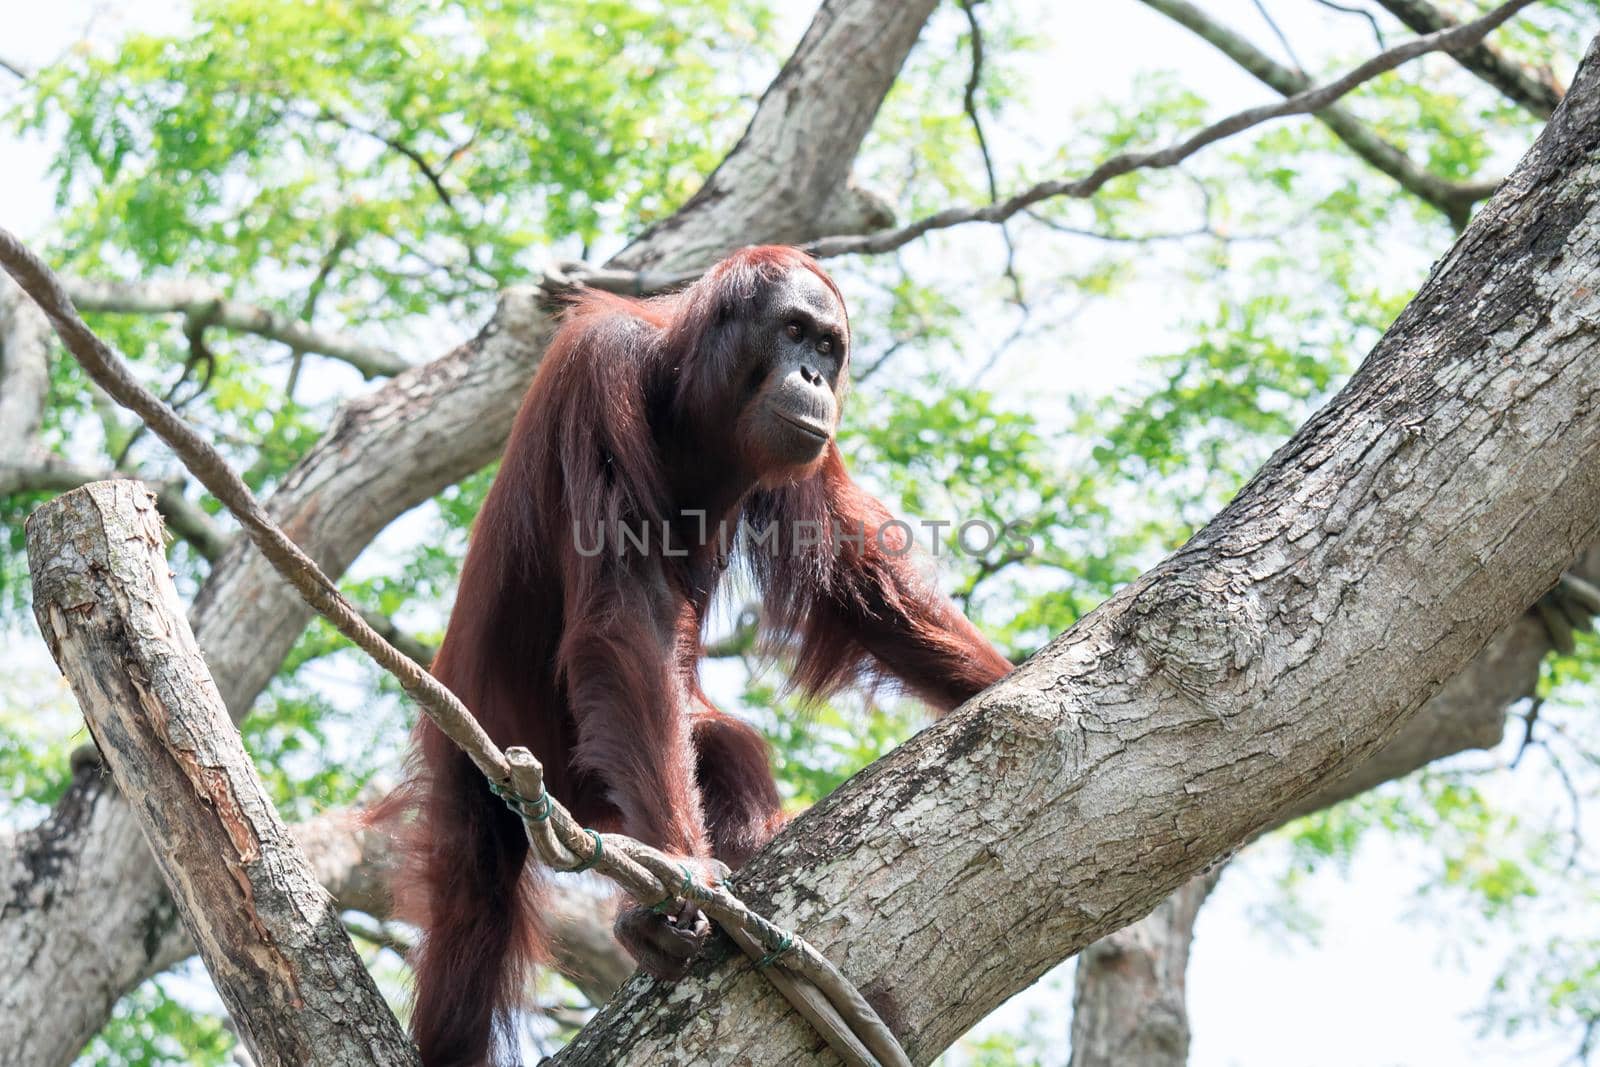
537, 809
594, 857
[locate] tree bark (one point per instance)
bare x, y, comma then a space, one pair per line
24, 378
1438, 495
1129, 1003
269, 933
84, 912
786, 178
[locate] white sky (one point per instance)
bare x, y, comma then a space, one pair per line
1384, 985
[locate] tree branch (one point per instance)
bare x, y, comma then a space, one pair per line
418, 160
204, 303
780, 180
1455, 200
1129, 1002
24, 376
1130, 987
969, 103
1372, 21
1538, 92
1311, 100
183, 517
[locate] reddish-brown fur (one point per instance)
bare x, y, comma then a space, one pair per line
591, 660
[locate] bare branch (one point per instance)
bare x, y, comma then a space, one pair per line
208, 305
1454, 199
1128, 1004
1277, 31
777, 183
184, 517
969, 102
1372, 21
1311, 100
433, 177
13, 67
1537, 91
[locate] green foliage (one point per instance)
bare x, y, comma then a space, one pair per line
817, 748
149, 1028
39, 725
1555, 985
1483, 851
415, 149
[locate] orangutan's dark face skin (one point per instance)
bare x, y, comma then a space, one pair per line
798, 348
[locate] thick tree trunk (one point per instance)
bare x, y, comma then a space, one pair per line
1129, 1004
786, 178
269, 933
1433, 499
1129, 987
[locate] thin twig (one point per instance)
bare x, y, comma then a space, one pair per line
195, 299
308, 308
1277, 31
1574, 802
1463, 36
417, 159
1372, 20
1453, 199
969, 101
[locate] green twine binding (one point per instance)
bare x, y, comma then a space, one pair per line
686, 891
770, 958
538, 809
594, 857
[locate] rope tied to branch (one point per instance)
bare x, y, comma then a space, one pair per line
685, 892
537, 809
594, 857
785, 944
